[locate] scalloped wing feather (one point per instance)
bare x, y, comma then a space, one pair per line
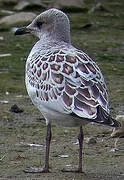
72, 77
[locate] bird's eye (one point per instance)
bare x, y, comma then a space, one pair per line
39, 24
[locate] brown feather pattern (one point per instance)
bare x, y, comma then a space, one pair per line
76, 79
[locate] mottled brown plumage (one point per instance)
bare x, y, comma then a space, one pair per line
63, 82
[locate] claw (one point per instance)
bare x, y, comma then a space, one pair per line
36, 169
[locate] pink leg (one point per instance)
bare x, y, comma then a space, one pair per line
35, 169
48, 140
80, 139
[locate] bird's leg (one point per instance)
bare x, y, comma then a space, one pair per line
115, 144
35, 169
80, 139
48, 140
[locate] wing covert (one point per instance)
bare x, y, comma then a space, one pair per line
72, 77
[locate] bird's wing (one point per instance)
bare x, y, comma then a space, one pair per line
75, 79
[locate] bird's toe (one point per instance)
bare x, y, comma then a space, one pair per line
36, 169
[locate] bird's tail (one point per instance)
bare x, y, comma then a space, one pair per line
105, 118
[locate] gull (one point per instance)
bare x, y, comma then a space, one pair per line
63, 82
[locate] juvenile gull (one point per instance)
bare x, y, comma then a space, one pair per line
63, 82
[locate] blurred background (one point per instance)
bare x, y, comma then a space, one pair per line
97, 26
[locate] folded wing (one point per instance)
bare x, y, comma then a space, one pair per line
75, 79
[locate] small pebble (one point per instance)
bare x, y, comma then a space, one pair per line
113, 150
91, 140
7, 93
1, 38
5, 55
64, 156
4, 102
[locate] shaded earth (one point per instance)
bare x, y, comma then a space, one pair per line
22, 144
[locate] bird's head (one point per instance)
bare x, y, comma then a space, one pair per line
51, 23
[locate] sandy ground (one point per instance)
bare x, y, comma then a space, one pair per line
22, 144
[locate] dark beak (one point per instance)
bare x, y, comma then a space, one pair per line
22, 30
